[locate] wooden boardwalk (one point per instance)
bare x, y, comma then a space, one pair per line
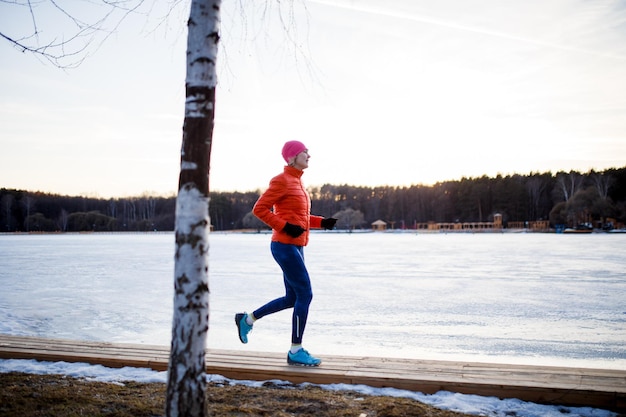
542, 384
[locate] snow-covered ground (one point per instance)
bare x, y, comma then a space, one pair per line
470, 404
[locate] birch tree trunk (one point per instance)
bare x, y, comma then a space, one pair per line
186, 387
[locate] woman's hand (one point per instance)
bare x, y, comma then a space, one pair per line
293, 230
329, 223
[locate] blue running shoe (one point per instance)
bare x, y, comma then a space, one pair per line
242, 326
302, 358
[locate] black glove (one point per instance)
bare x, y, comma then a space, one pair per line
293, 230
329, 223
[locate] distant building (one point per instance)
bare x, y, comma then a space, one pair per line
379, 225
497, 221
465, 226
535, 226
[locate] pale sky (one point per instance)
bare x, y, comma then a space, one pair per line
393, 92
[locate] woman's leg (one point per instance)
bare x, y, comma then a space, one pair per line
298, 292
279, 304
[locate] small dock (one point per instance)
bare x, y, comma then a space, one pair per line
599, 388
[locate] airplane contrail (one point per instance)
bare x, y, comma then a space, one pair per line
461, 27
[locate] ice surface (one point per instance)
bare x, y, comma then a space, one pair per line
515, 298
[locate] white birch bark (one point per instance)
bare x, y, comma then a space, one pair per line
186, 389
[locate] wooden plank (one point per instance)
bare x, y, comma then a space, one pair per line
603, 388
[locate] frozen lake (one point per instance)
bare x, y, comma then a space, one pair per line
516, 298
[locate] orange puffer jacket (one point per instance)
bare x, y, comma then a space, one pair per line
286, 201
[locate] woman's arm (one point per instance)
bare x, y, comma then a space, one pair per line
263, 207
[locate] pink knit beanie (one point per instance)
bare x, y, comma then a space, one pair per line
292, 148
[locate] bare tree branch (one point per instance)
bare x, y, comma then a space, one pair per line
74, 30
290, 17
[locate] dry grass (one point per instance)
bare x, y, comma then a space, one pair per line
27, 395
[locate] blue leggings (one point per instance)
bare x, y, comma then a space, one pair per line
298, 293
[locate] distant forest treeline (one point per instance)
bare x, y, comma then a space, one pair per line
568, 198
